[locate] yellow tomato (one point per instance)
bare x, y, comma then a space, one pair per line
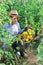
24, 36
25, 33
26, 40
30, 33
30, 37
29, 30
33, 32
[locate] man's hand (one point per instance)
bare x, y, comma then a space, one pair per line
26, 28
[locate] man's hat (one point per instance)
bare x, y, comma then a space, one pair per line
13, 13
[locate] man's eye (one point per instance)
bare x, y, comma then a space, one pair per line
14, 18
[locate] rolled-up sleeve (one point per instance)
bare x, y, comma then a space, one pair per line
6, 25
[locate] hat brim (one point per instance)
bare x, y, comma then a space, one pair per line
14, 14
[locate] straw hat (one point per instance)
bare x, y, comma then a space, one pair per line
13, 13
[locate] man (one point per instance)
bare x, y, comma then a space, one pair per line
14, 27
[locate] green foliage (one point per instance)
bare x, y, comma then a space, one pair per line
32, 10
7, 57
40, 52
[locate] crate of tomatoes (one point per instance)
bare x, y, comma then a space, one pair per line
27, 37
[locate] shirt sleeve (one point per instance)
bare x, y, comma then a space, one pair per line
6, 25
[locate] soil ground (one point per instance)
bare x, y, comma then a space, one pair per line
32, 58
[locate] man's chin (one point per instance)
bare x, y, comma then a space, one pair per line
13, 23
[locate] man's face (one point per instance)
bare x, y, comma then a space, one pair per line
14, 19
